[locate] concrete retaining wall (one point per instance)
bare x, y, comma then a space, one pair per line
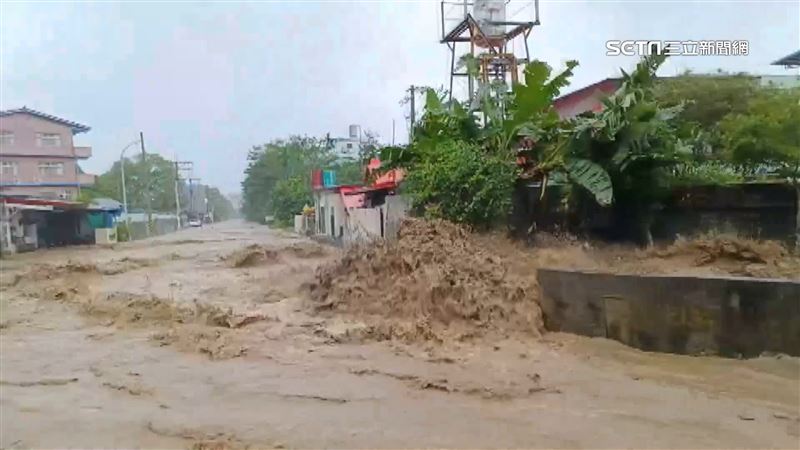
759, 211
676, 314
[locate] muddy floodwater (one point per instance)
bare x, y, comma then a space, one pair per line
205, 339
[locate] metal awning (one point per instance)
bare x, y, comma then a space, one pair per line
30, 207
791, 60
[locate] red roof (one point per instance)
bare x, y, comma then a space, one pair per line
39, 202
608, 86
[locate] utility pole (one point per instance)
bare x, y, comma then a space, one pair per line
392, 131
191, 194
181, 166
413, 114
148, 192
177, 196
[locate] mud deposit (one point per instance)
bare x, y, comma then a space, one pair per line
208, 339
700, 256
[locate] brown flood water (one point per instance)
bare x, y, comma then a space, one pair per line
194, 340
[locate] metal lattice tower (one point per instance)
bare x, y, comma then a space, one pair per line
484, 31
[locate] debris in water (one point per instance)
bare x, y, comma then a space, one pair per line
252, 255
43, 382
433, 281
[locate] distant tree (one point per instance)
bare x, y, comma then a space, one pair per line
289, 198
280, 160
160, 185
369, 147
155, 178
766, 137
706, 100
219, 204
349, 171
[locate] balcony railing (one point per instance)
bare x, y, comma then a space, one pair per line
83, 152
86, 179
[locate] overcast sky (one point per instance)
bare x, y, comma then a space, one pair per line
207, 81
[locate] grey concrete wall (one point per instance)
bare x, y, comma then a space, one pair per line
676, 314
162, 224
759, 211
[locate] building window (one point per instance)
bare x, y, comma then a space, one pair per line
51, 168
349, 145
48, 140
9, 168
6, 138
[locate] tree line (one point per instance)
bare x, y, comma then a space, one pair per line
277, 180
155, 179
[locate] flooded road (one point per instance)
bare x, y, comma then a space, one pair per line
204, 339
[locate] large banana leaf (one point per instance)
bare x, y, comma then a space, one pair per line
537, 93
592, 177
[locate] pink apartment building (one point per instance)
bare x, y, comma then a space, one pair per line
38, 157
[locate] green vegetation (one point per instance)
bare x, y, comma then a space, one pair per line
460, 182
156, 179
123, 233
706, 99
219, 204
461, 160
736, 129
651, 135
278, 176
289, 197
634, 140
765, 136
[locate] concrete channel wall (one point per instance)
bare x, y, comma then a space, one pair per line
676, 314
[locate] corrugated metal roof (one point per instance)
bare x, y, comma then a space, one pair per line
614, 82
105, 204
792, 60
76, 127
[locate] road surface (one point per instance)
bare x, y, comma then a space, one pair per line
192, 340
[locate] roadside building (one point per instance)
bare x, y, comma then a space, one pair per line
38, 157
586, 99
354, 213
791, 61
30, 223
347, 147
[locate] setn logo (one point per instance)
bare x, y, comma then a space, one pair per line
675, 48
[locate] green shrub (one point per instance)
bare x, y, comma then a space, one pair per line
462, 183
123, 233
288, 198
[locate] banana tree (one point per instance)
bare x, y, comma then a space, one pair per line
532, 118
525, 114
633, 139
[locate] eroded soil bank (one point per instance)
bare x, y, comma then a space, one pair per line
213, 338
